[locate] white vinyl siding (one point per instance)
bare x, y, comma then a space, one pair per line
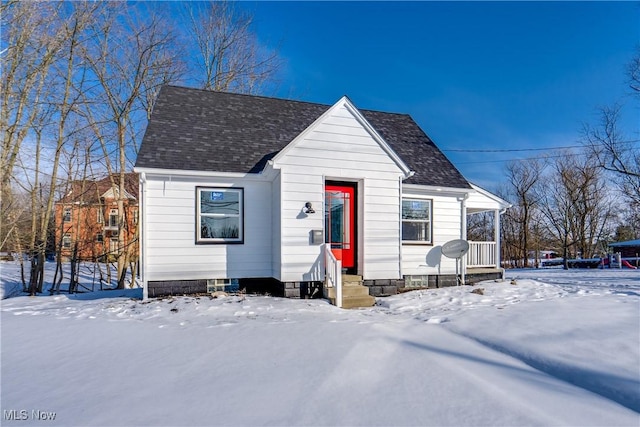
170, 224
339, 149
446, 225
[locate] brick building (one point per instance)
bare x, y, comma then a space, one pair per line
87, 219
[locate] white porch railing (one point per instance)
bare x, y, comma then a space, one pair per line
333, 273
481, 254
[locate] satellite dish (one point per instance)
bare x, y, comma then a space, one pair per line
455, 248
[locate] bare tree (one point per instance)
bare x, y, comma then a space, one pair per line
29, 48
616, 151
69, 67
524, 179
633, 72
129, 56
576, 206
38, 103
229, 56
480, 227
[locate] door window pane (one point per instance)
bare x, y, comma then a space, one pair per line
337, 209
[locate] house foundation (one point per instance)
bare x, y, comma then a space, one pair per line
307, 290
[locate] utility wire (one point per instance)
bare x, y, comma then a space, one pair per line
519, 159
514, 150
509, 150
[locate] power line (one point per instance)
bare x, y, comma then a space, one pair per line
519, 159
515, 150
509, 150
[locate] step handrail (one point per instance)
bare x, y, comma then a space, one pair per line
333, 273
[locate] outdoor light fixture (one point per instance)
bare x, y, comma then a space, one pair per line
308, 208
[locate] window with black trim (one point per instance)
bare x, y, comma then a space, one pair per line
416, 220
220, 215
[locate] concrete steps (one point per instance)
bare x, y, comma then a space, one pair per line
354, 294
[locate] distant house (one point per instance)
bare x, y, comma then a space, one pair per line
628, 249
87, 218
288, 195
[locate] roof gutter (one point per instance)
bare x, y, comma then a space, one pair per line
192, 173
436, 188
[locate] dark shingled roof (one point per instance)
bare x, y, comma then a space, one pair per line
202, 130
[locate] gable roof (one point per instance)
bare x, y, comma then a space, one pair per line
91, 191
200, 130
345, 103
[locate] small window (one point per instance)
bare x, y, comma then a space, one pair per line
416, 281
224, 285
113, 218
220, 215
99, 238
416, 220
100, 218
66, 240
134, 213
66, 215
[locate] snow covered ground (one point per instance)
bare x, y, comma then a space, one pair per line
545, 347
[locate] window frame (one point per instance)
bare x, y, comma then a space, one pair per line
198, 221
66, 241
428, 221
113, 213
67, 214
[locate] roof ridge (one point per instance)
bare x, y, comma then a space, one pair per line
249, 95
275, 98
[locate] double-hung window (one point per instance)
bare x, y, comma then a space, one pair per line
416, 220
113, 218
220, 215
66, 215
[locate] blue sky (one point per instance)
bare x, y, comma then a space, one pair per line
474, 75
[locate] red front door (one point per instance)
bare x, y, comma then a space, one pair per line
339, 222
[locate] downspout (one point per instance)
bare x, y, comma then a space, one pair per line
463, 235
400, 179
496, 224
143, 235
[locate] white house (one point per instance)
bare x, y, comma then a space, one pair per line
286, 196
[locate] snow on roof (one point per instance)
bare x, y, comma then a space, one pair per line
627, 243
